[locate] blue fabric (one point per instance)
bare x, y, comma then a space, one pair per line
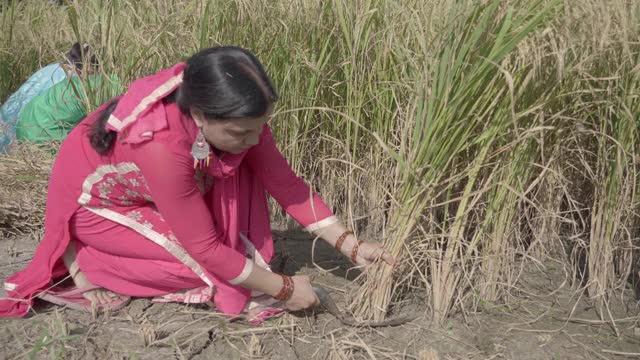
42, 80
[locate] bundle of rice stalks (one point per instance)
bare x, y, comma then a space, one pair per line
24, 174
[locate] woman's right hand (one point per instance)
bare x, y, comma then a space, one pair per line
303, 295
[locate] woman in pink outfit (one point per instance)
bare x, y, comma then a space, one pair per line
161, 193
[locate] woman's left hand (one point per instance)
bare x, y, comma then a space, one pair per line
370, 252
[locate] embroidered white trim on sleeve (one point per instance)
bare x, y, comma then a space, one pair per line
322, 223
10, 286
244, 274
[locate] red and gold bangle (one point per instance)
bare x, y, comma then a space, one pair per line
354, 251
341, 239
287, 289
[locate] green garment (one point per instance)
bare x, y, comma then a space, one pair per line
55, 112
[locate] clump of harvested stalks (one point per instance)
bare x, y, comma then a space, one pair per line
24, 174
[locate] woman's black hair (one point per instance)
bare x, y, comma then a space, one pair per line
100, 138
79, 54
225, 82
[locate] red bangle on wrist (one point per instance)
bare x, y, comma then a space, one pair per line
342, 238
354, 251
287, 289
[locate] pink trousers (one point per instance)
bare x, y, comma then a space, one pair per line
122, 260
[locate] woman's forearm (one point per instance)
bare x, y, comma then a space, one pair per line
332, 233
298, 293
263, 280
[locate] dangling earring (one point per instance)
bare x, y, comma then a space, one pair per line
200, 150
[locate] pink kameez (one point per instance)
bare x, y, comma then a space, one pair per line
146, 224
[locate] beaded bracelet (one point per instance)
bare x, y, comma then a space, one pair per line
354, 251
342, 238
287, 289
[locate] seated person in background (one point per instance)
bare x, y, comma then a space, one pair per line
51, 115
42, 80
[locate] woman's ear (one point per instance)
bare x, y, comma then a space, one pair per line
198, 118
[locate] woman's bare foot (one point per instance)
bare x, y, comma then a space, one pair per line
96, 296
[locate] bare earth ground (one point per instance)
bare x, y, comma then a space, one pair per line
534, 326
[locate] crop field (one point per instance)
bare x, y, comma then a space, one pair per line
490, 144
